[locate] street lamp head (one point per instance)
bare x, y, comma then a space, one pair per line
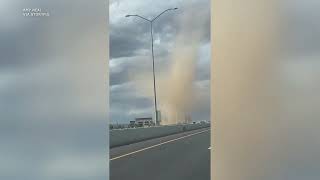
172, 9
128, 15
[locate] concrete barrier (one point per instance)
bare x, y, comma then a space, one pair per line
119, 137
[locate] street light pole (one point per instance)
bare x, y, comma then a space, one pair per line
153, 65
154, 78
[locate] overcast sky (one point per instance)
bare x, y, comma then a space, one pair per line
130, 53
53, 100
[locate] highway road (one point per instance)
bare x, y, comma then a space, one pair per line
183, 156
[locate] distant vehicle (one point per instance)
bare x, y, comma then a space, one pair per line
142, 122
147, 123
203, 122
132, 124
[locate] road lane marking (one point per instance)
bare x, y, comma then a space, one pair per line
153, 146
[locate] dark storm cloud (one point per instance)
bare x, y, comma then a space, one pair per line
125, 41
121, 69
133, 34
118, 78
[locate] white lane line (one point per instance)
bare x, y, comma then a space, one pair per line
134, 152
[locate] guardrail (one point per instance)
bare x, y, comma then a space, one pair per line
120, 137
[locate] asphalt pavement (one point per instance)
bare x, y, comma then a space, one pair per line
183, 156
